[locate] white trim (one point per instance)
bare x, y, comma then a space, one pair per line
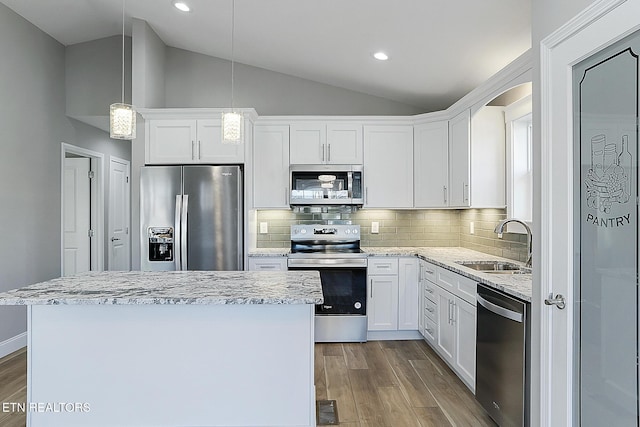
598, 26
12, 344
127, 163
393, 335
192, 113
97, 201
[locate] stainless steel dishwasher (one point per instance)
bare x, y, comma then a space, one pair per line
503, 357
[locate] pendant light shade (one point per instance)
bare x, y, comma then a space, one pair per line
232, 122
232, 128
122, 121
122, 117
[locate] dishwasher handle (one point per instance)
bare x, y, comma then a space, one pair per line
499, 310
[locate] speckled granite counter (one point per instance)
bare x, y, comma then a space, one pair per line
173, 287
517, 285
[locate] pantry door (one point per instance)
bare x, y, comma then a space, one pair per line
587, 178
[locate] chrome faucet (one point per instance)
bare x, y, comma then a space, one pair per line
500, 229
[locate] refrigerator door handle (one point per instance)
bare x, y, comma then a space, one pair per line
177, 233
183, 230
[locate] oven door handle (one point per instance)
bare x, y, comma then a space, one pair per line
329, 262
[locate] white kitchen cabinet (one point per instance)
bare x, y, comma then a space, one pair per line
326, 143
190, 141
408, 294
382, 295
465, 325
459, 159
488, 164
271, 167
278, 263
431, 165
388, 166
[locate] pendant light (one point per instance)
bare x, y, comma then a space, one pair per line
122, 117
232, 121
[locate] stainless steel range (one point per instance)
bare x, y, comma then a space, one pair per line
334, 250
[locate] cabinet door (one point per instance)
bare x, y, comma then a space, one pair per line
210, 146
459, 159
388, 160
408, 294
344, 143
431, 165
271, 167
465, 325
446, 332
171, 142
382, 303
308, 143
267, 263
422, 297
488, 158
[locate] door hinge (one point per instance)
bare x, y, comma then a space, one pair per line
91, 233
91, 174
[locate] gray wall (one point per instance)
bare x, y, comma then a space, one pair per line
32, 127
548, 15
93, 77
195, 80
148, 68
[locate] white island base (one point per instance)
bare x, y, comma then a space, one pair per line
171, 365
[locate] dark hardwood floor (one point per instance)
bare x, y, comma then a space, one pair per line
378, 383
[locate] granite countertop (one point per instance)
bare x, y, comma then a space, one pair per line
517, 285
173, 287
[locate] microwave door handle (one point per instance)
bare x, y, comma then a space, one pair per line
177, 253
349, 184
183, 226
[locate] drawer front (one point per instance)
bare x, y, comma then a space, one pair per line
430, 272
430, 310
382, 266
447, 279
268, 264
430, 331
430, 291
466, 289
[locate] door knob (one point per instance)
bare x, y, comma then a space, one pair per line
558, 301
113, 239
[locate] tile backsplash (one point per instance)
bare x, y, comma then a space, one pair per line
427, 227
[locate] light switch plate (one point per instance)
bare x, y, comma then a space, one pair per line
375, 227
264, 228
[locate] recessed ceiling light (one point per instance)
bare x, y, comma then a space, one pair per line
381, 56
180, 5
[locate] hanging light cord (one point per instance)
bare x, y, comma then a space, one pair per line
123, 51
233, 23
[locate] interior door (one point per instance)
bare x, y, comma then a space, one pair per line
605, 88
77, 216
119, 216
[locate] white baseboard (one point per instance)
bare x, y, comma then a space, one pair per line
13, 344
393, 335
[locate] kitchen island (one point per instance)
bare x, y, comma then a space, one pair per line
171, 349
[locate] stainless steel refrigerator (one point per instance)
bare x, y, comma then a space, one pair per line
191, 218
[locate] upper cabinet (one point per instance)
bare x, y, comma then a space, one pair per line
388, 166
271, 167
431, 164
189, 141
459, 159
326, 143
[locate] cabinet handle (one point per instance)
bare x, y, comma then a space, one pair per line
371, 287
322, 152
267, 267
430, 331
286, 195
453, 312
366, 195
328, 152
430, 290
450, 312
199, 150
430, 309
465, 187
430, 271
444, 189
193, 150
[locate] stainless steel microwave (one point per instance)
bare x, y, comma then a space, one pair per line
326, 185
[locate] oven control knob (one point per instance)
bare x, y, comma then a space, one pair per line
355, 231
357, 305
347, 231
303, 231
295, 231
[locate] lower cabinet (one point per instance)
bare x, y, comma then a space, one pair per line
393, 294
450, 327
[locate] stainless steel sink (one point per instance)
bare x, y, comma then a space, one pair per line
495, 267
